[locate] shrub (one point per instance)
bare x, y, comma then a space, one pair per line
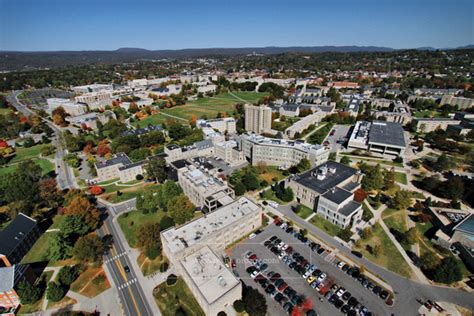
99, 280
96, 190
152, 252
67, 275
54, 292
171, 279
139, 177
239, 306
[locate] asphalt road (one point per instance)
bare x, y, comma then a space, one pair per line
130, 292
324, 263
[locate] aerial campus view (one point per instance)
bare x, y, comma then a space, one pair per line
236, 158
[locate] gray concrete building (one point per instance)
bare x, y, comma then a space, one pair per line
258, 119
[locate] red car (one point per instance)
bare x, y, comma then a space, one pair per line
282, 287
253, 257
232, 264
275, 277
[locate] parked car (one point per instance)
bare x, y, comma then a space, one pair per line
357, 253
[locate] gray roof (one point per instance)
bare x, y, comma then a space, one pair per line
349, 208
388, 133
12, 235
467, 225
308, 179
203, 144
7, 278
131, 165
337, 195
118, 158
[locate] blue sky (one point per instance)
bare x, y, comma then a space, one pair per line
41, 25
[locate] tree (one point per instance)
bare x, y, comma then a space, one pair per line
401, 200
424, 218
453, 188
377, 250
239, 189
73, 225
345, 234
254, 302
156, 168
60, 247
332, 156
86, 210
389, 180
443, 163
192, 120
250, 181
448, 271
67, 275
21, 185
303, 165
103, 148
28, 293
239, 306
181, 209
55, 292
89, 248
49, 192
373, 179
366, 233
345, 160
59, 116
360, 195
96, 190
166, 222
411, 235
139, 154
148, 235
429, 261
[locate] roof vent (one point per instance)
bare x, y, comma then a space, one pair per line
221, 281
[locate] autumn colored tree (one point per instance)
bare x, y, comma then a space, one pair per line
49, 192
360, 195
424, 218
192, 120
88, 148
82, 207
96, 190
103, 148
59, 116
180, 209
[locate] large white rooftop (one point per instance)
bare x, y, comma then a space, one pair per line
209, 274
196, 230
296, 144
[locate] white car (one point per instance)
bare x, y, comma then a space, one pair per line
340, 292
273, 204
281, 255
284, 247
341, 264
248, 254
322, 277
306, 275
254, 274
280, 245
284, 226
252, 236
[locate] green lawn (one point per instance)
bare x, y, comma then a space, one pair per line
39, 251
304, 212
155, 119
426, 114
270, 195
46, 167
396, 219
57, 220
271, 173
126, 192
283, 125
4, 111
22, 153
174, 297
401, 177
389, 258
131, 222
325, 225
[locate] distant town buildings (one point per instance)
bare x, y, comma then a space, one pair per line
426, 125
460, 102
90, 120
258, 119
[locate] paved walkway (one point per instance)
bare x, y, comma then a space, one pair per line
176, 117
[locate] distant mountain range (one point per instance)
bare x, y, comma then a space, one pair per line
16, 60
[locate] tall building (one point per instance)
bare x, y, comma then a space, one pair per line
258, 119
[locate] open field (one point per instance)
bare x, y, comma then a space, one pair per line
91, 282
396, 219
23, 153
39, 251
150, 266
4, 111
324, 225
126, 192
401, 177
372, 159
209, 107
271, 173
131, 222
389, 257
171, 298
270, 195
46, 167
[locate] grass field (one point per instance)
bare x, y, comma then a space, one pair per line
396, 219
46, 167
174, 297
271, 173
221, 103
22, 153
304, 212
39, 251
127, 192
372, 159
150, 266
389, 258
91, 282
270, 195
324, 225
401, 177
4, 111
131, 222
426, 113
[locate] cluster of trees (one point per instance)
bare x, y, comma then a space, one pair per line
66, 276
275, 91
75, 236
446, 270
169, 198
246, 179
283, 193
184, 135
253, 302
156, 169
138, 148
340, 118
453, 188
438, 139
27, 191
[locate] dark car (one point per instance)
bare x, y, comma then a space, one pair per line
345, 309
383, 294
270, 289
289, 230
352, 302
275, 277
315, 247
357, 253
278, 297
267, 243
311, 312
287, 290
264, 283
293, 265
338, 303
296, 255
320, 250
288, 307
127, 269
414, 258
347, 295
376, 290
317, 273
289, 250
352, 313
297, 300
273, 238
345, 268
258, 278
332, 299
279, 282
251, 269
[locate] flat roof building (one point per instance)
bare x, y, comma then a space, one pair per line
280, 152
381, 137
18, 238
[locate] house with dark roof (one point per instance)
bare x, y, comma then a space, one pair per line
332, 183
119, 167
18, 237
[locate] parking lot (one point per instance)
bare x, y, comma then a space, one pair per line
326, 262
340, 132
